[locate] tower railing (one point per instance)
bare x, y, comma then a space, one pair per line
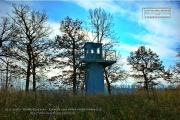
109, 55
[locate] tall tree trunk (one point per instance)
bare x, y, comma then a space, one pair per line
74, 81
34, 73
28, 67
7, 72
74, 68
98, 41
146, 82
107, 81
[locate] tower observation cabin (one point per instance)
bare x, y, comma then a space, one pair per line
94, 61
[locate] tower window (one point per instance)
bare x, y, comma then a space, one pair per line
98, 50
92, 51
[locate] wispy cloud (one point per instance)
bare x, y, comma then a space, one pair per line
55, 29
108, 5
161, 35
162, 45
6, 6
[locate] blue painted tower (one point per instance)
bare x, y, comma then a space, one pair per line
94, 63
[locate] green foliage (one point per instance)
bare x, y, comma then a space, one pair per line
31, 106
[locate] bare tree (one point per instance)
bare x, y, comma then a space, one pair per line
31, 28
7, 30
39, 58
173, 75
145, 61
9, 64
114, 73
4, 30
6, 65
71, 42
176, 68
102, 25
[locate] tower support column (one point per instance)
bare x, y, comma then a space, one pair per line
95, 79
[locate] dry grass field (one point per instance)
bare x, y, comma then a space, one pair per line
57, 106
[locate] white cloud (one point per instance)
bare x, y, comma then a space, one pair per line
107, 5
162, 35
163, 52
55, 29
128, 48
162, 45
167, 29
6, 6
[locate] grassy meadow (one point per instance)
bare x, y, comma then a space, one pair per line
57, 106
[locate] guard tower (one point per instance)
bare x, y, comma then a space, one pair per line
94, 63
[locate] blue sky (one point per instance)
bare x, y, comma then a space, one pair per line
161, 35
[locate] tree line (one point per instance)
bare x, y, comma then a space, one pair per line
26, 49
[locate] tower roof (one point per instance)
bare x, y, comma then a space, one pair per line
92, 44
